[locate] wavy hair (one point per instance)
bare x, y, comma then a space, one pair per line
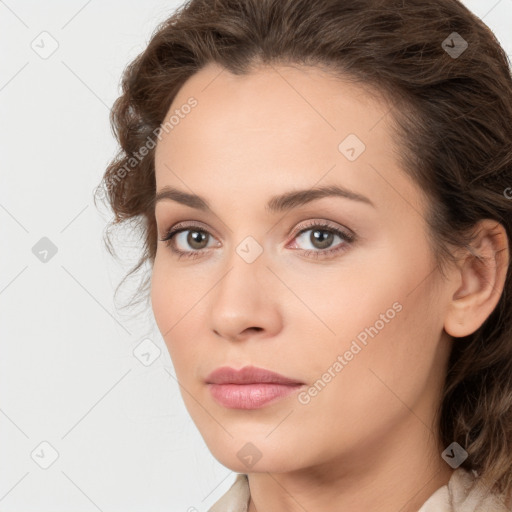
452, 117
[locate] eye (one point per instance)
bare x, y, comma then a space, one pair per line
178, 237
321, 237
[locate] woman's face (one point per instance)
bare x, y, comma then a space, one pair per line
338, 293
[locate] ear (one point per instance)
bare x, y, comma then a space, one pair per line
479, 279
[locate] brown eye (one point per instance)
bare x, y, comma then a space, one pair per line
188, 241
185, 239
320, 237
196, 238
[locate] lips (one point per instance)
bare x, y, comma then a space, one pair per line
250, 387
248, 375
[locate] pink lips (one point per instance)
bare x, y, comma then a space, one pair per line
249, 387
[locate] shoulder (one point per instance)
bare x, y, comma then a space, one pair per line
236, 499
470, 494
465, 492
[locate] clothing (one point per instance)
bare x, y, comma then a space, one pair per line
463, 493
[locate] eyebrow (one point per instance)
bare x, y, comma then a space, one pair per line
276, 204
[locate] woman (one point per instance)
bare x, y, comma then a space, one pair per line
323, 191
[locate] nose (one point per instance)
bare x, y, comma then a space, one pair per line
245, 302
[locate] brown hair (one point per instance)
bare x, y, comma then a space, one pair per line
453, 122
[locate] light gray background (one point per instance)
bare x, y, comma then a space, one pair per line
68, 375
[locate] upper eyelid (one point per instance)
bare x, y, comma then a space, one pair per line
186, 225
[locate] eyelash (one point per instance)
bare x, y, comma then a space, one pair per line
347, 238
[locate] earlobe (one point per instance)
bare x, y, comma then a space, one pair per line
480, 279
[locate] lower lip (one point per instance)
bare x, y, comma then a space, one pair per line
250, 396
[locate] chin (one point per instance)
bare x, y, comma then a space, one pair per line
253, 454
275, 465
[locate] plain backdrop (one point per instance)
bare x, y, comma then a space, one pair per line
84, 424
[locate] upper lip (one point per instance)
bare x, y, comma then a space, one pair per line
247, 375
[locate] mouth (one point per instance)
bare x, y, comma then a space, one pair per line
249, 387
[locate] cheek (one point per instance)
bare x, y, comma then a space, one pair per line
172, 293
386, 327
394, 372
161, 298
175, 303
167, 299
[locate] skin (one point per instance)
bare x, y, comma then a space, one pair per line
368, 440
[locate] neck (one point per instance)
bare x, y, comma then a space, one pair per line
406, 473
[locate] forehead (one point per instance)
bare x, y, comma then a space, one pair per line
276, 124
296, 104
